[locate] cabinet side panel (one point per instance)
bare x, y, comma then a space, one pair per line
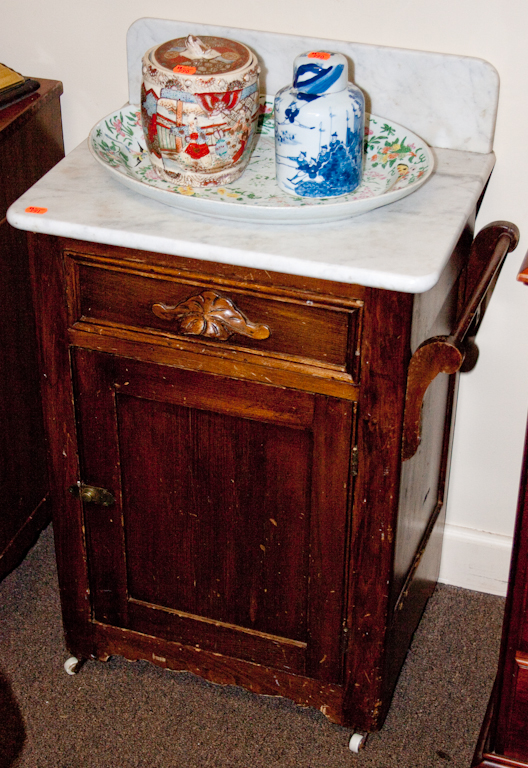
424, 476
24, 488
23, 471
33, 141
423, 484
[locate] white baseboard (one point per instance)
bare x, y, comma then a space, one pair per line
475, 560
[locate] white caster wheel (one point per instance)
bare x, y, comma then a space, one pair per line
72, 665
357, 742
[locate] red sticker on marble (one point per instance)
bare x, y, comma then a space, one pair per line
319, 55
36, 209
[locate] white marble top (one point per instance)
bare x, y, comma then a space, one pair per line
404, 246
449, 101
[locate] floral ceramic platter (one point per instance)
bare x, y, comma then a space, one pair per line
397, 163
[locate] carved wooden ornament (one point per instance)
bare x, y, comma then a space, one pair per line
212, 315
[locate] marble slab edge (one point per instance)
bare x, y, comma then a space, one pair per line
262, 261
403, 246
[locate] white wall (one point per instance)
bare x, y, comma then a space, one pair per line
83, 44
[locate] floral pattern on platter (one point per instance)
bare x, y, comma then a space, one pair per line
395, 159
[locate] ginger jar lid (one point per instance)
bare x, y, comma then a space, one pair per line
202, 56
318, 72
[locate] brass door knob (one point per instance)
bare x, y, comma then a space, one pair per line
92, 494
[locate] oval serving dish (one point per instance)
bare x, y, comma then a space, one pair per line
396, 164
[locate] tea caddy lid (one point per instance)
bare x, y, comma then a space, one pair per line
202, 56
318, 72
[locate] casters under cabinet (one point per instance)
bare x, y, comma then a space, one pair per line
72, 665
357, 742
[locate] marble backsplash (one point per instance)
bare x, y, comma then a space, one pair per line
449, 101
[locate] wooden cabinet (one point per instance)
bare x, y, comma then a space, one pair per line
229, 491
231, 498
30, 144
504, 736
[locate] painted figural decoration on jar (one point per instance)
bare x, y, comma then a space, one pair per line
319, 128
199, 109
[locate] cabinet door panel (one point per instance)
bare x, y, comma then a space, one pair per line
229, 497
230, 547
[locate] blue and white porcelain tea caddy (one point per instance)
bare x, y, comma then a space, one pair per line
319, 128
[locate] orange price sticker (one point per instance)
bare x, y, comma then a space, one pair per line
319, 55
36, 209
181, 69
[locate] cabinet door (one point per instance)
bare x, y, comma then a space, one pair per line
230, 522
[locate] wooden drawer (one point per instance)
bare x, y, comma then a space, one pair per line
286, 326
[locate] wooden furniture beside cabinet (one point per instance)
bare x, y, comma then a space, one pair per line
30, 144
504, 737
226, 449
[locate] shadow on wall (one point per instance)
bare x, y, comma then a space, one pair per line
12, 731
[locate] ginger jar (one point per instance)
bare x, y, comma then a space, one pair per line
199, 109
319, 128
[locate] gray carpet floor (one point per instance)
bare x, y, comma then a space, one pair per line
122, 715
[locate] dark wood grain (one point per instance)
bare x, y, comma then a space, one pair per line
504, 738
30, 144
242, 488
31, 141
265, 530
299, 329
220, 669
385, 355
47, 280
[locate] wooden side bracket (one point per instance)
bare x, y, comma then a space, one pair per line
446, 354
434, 356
